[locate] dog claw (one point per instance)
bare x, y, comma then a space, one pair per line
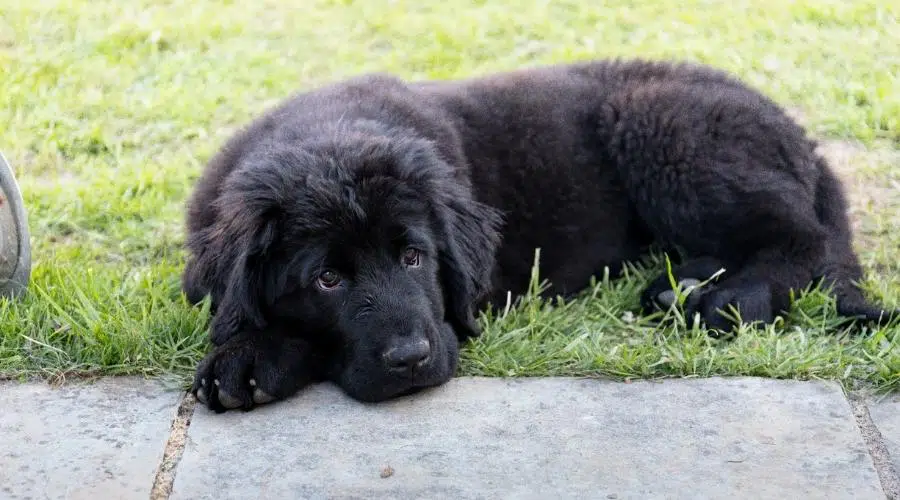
227, 400
260, 397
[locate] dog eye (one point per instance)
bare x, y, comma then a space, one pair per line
328, 280
411, 257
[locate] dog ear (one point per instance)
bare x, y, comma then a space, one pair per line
194, 281
228, 265
241, 305
471, 236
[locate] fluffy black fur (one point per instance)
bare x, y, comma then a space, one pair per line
353, 232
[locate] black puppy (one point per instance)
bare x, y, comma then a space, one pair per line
353, 232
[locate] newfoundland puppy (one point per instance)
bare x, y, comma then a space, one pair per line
353, 232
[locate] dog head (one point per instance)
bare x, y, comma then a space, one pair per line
366, 244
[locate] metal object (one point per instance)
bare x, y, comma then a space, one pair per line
15, 245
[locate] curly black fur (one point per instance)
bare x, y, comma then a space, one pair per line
590, 162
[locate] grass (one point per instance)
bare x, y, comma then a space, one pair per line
111, 108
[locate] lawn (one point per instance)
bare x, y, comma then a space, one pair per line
110, 110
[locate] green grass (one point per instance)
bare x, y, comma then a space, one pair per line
110, 109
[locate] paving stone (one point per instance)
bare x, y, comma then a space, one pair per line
538, 438
886, 416
89, 441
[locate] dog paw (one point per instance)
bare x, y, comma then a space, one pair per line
751, 302
249, 373
714, 298
661, 296
694, 278
668, 297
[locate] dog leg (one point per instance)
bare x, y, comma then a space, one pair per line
722, 173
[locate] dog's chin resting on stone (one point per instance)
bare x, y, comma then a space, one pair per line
354, 232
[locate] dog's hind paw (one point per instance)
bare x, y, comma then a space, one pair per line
694, 278
667, 297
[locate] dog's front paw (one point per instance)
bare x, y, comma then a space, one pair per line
244, 373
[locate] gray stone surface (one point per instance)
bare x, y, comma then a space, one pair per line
538, 438
886, 416
84, 440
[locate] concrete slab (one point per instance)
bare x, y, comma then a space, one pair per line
83, 440
886, 416
538, 438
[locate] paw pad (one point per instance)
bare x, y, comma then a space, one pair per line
667, 297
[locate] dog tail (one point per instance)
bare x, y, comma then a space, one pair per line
841, 270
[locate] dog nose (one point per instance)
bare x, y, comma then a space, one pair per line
407, 356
